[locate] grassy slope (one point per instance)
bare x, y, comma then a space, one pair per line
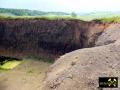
49, 17
110, 19
55, 17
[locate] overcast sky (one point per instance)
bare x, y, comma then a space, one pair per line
63, 5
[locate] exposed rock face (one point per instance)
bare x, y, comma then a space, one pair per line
21, 37
81, 69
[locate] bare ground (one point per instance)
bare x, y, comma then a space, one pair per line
27, 76
81, 69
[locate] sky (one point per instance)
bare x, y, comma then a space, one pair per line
63, 5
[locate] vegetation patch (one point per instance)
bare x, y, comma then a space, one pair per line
9, 65
109, 19
47, 17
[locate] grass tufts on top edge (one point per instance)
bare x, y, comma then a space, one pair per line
109, 19
2, 17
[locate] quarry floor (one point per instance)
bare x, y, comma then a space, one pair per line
27, 76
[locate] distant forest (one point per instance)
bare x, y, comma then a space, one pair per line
26, 12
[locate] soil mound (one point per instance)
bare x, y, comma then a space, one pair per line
81, 69
110, 35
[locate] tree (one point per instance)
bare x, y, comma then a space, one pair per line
73, 14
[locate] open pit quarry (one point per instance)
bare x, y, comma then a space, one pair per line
83, 51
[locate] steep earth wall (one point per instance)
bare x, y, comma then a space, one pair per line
23, 37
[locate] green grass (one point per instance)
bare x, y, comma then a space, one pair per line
9, 65
55, 17
109, 19
65, 17
47, 17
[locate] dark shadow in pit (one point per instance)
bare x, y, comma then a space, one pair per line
4, 59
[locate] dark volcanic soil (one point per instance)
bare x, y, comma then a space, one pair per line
22, 37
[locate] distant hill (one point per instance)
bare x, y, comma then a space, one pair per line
7, 12
26, 12
97, 15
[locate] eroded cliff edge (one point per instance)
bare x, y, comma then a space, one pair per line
23, 37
